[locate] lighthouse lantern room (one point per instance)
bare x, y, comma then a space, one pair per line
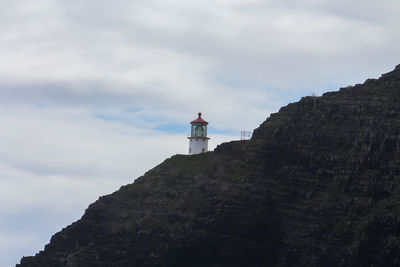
198, 140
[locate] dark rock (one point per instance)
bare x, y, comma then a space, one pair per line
317, 185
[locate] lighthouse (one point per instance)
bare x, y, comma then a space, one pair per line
198, 140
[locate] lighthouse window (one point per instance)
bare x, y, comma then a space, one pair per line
203, 150
199, 130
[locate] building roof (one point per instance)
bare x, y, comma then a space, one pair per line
199, 119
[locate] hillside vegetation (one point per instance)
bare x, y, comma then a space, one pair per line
317, 185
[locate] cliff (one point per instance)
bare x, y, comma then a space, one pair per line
317, 185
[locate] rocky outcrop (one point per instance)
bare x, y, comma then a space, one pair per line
317, 185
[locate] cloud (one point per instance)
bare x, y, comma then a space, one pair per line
173, 56
68, 140
15, 245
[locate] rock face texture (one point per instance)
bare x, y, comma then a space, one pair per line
317, 185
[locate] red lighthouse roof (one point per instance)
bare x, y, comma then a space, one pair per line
199, 119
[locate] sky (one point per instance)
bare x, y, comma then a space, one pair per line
94, 93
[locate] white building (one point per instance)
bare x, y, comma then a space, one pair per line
198, 140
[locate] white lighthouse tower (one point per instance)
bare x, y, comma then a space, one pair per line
198, 140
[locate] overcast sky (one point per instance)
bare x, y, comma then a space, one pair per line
94, 93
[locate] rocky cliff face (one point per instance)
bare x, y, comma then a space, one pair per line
317, 185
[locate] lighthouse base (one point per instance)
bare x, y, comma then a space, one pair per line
197, 145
